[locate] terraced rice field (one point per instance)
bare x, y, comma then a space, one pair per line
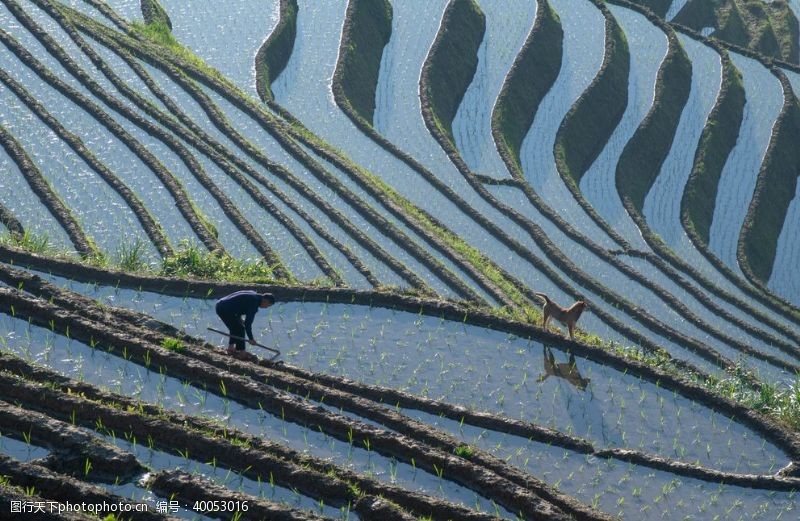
404, 177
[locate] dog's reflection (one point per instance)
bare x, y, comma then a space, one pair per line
568, 371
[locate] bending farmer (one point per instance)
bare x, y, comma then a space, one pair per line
231, 309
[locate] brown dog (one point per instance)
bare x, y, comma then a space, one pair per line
567, 316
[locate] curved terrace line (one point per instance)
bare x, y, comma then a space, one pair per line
658, 247
506, 32
783, 280
716, 142
673, 302
266, 122
683, 266
589, 124
764, 298
171, 142
643, 156
47, 195
346, 104
598, 184
501, 489
274, 53
773, 193
99, 114
215, 151
456, 250
430, 307
764, 103
482, 219
292, 460
223, 200
151, 227
594, 50
600, 189
642, 160
61, 297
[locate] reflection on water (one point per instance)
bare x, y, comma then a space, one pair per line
568, 371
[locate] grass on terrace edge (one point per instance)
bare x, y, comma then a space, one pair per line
781, 403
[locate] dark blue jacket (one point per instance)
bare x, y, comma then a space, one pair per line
245, 303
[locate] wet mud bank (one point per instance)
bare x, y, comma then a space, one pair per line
587, 127
278, 403
274, 53
252, 457
418, 432
290, 137
434, 125
732, 118
53, 486
774, 191
366, 31
47, 195
72, 450
151, 227
169, 181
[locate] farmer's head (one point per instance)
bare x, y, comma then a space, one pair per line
267, 299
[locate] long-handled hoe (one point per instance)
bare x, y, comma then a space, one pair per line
276, 355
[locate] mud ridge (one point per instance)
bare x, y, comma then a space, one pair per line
643, 155
282, 132
72, 449
11, 223
66, 489
228, 451
774, 191
566, 264
193, 166
274, 53
154, 230
199, 144
222, 157
47, 195
167, 179
319, 386
361, 207
224, 201
305, 386
280, 404
592, 119
419, 503
766, 298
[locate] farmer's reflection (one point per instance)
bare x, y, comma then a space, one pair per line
568, 371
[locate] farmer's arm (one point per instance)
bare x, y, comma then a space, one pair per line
248, 324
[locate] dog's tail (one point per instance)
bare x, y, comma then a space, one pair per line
542, 296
